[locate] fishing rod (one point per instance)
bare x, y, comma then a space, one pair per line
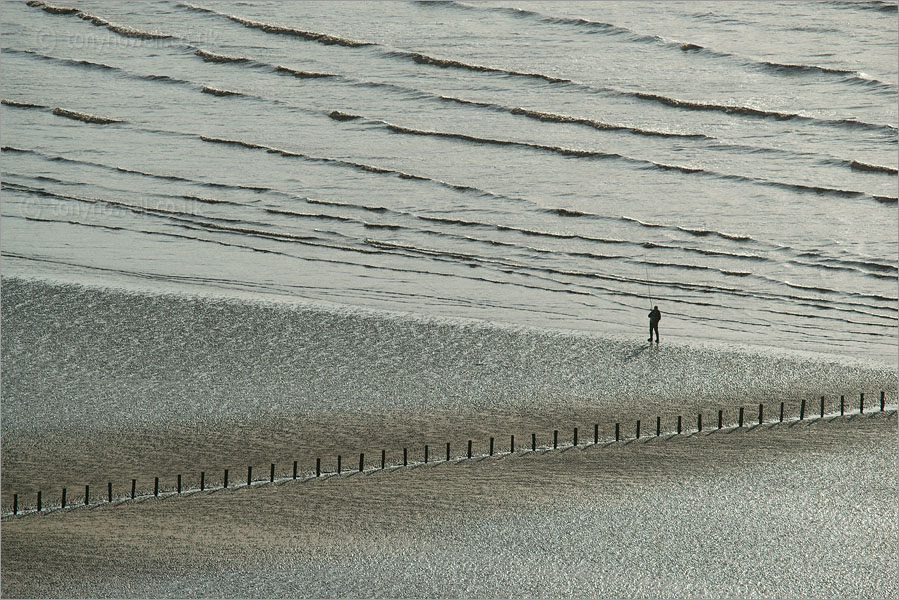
648, 287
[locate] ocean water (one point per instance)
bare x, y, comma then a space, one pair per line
558, 165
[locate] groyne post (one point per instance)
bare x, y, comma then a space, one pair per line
842, 405
575, 437
469, 448
861, 404
595, 433
109, 489
156, 487
802, 410
761, 413
225, 483
62, 502
362, 461
447, 451
405, 457
426, 454
658, 426
822, 407
882, 401
678, 424
533, 442
318, 467
638, 429
512, 445
339, 464
39, 501
699, 422
249, 475
617, 431
720, 418
491, 446
179, 488
294, 469
271, 475
383, 458
781, 412
202, 483
134, 486
740, 420
555, 439
15, 504
87, 495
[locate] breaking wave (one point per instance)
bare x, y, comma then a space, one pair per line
85, 117
322, 38
860, 166
122, 30
219, 58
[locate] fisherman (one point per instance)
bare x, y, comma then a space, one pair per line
654, 317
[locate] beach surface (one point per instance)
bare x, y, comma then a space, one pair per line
103, 385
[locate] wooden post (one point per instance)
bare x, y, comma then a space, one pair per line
741, 416
842, 405
109, 489
469, 448
249, 475
761, 413
596, 433
658, 426
491, 446
318, 467
678, 424
226, 480
555, 439
271, 476
294, 469
822, 407
638, 429
87, 495
617, 431
383, 458
575, 437
405, 457
39, 501
512, 444
156, 486
781, 412
179, 487
62, 502
861, 404
339, 464
15, 504
426, 453
202, 483
720, 418
447, 451
362, 462
882, 401
802, 410
533, 442
699, 422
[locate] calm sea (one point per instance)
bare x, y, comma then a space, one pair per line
563, 165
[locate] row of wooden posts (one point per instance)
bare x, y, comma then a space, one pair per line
512, 449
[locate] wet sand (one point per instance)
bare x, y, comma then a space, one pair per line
105, 386
800, 510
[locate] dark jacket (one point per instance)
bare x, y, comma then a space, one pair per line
655, 316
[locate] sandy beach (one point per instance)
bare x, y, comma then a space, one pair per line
793, 509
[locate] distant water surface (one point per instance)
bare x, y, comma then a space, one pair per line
552, 164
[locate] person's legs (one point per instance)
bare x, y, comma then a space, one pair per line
650, 332
654, 327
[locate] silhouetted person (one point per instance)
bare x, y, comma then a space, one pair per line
654, 317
